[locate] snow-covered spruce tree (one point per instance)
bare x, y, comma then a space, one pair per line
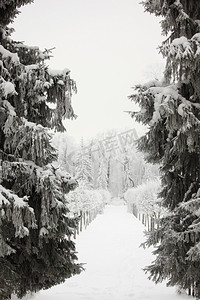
171, 109
83, 168
102, 176
34, 223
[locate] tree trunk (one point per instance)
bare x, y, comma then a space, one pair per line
197, 290
81, 221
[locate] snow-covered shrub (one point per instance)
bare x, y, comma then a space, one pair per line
86, 203
143, 201
82, 200
106, 195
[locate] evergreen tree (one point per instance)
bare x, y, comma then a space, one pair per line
171, 109
102, 177
126, 172
34, 223
66, 147
83, 165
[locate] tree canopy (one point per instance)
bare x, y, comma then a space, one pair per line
36, 251
171, 109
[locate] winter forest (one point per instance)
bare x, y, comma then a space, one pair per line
115, 215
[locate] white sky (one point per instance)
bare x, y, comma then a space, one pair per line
109, 45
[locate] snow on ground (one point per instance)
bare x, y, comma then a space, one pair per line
110, 247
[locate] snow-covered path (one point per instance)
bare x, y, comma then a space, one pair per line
110, 247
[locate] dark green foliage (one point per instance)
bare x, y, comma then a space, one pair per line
9, 10
171, 109
36, 251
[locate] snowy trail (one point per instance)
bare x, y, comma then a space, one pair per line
110, 246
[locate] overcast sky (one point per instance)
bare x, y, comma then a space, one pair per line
109, 45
